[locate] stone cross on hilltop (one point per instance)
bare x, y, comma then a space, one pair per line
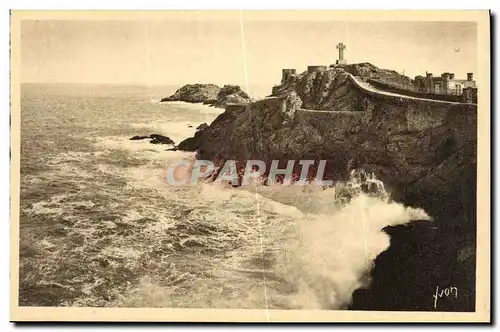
341, 47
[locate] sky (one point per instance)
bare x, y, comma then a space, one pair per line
234, 48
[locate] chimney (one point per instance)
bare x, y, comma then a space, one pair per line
286, 74
428, 75
445, 75
470, 76
452, 76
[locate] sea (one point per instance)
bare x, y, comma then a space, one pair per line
100, 226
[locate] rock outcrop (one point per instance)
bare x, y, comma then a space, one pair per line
194, 93
424, 151
229, 94
138, 137
160, 139
155, 139
204, 125
210, 94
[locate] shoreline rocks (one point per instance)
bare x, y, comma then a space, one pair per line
138, 137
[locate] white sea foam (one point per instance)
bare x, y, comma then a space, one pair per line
31, 179
41, 207
212, 110
334, 251
196, 106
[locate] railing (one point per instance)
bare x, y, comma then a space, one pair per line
408, 90
408, 86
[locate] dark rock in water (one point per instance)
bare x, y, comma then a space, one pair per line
189, 126
202, 126
172, 149
160, 139
137, 137
155, 139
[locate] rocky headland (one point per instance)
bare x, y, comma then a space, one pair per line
423, 150
209, 94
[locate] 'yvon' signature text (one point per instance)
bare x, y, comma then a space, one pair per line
449, 291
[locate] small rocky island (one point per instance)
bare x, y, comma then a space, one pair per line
209, 94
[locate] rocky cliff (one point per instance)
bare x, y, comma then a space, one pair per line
325, 89
402, 140
209, 94
424, 151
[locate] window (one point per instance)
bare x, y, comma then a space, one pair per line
436, 87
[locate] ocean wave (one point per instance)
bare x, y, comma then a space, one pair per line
334, 252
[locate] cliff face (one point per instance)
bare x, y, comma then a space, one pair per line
424, 151
209, 94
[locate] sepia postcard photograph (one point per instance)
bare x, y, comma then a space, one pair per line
250, 166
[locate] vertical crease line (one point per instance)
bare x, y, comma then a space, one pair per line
148, 52
243, 47
259, 221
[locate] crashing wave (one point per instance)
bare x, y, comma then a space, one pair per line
360, 182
